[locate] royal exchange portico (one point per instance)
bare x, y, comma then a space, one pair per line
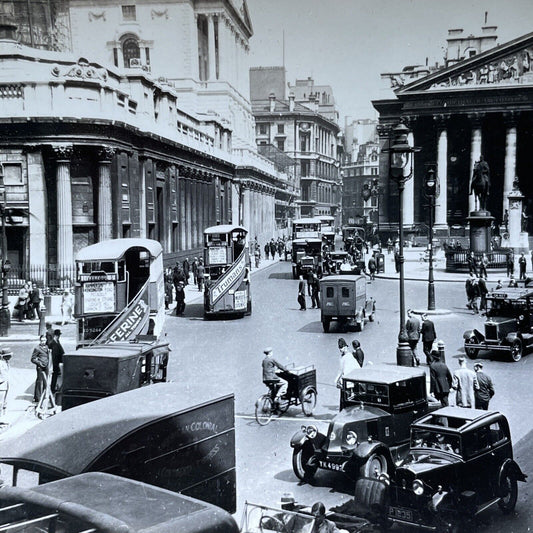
479, 106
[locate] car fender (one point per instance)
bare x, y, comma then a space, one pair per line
511, 337
298, 440
509, 465
362, 452
476, 334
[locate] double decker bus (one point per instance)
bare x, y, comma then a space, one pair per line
328, 231
306, 228
119, 290
227, 268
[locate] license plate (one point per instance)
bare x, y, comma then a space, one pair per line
332, 466
401, 514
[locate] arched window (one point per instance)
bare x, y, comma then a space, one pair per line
130, 50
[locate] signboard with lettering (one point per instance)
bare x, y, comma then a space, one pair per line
217, 255
233, 276
98, 297
241, 299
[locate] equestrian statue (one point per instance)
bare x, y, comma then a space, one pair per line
480, 184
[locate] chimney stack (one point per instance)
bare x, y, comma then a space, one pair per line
291, 101
272, 98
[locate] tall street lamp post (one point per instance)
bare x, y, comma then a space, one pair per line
5, 319
431, 194
400, 170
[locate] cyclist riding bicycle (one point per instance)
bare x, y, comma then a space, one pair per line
270, 378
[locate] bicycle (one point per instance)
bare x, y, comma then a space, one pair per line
301, 390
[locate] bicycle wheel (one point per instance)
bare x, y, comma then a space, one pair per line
264, 409
308, 400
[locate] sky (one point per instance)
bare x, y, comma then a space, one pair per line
348, 43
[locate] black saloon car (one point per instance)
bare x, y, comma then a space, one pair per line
509, 325
371, 432
460, 463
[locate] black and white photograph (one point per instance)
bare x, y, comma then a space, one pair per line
266, 266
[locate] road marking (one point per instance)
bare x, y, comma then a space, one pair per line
292, 419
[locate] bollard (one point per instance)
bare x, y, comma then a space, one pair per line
442, 356
42, 321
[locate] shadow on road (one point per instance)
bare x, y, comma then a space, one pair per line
280, 275
323, 478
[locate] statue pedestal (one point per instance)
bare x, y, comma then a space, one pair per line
518, 239
480, 232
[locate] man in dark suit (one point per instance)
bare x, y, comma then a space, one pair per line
301, 294
441, 379
428, 336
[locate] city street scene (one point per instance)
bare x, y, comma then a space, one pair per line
266, 266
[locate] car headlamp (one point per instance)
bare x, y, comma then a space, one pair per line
312, 432
520, 318
418, 487
351, 438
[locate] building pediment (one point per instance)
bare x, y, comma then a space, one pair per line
510, 64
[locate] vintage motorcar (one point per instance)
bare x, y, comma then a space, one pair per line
305, 256
460, 463
344, 299
370, 434
509, 325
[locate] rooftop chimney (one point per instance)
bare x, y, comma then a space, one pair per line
291, 101
272, 98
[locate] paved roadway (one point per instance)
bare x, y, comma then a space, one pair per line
226, 355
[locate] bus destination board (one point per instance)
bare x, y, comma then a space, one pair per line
99, 297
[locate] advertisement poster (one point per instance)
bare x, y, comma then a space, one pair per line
99, 297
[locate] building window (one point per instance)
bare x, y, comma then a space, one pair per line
147, 53
262, 129
131, 52
374, 171
281, 128
203, 49
304, 165
281, 145
129, 13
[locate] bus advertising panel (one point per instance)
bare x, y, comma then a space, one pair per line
98, 297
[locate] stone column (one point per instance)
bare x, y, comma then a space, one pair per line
105, 201
65, 241
211, 45
409, 191
510, 158
475, 153
188, 215
181, 212
441, 203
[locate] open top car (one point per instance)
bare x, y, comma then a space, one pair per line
509, 325
460, 463
370, 434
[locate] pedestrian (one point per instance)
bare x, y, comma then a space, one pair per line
257, 257
498, 285
510, 264
484, 265
310, 279
272, 249
200, 275
301, 294
522, 266
397, 261
322, 524
464, 382
389, 246
428, 336
267, 250
358, 353
194, 268
476, 296
177, 276
67, 306
483, 291
512, 282
441, 379
484, 390
281, 247
270, 377
471, 262
180, 299
22, 303
34, 302
5, 356
348, 363
57, 353
40, 358
168, 292
372, 267
186, 270
315, 292
49, 333
468, 289
412, 328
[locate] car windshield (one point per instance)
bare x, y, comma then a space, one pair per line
435, 440
504, 307
369, 393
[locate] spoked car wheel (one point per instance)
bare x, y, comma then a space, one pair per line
264, 409
508, 493
300, 463
374, 466
308, 400
471, 352
516, 350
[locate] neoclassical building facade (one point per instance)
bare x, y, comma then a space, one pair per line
480, 106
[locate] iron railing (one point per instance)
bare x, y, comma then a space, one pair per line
456, 260
50, 279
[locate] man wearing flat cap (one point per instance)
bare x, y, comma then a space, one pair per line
270, 378
484, 389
